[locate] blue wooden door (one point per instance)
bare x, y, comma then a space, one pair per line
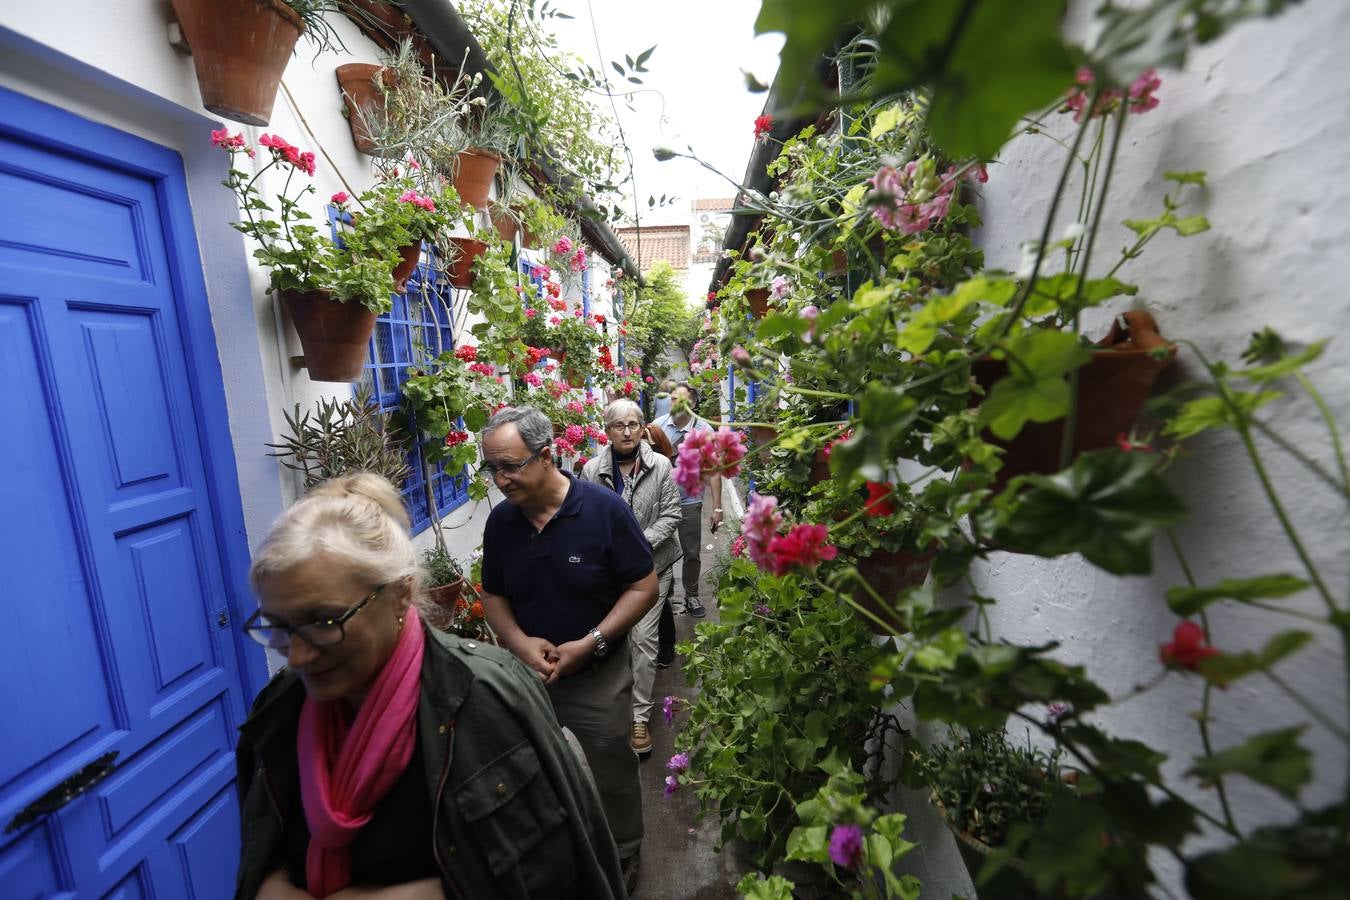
115, 629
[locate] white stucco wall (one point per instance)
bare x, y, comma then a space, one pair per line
110, 61
1263, 111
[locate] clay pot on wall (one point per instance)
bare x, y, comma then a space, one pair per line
1112, 389
761, 436
506, 224
361, 99
758, 298
461, 267
889, 572
473, 177
410, 255
240, 50
335, 336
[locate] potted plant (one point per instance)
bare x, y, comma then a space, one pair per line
332, 290
340, 436
450, 399
239, 50
984, 786
364, 88
406, 208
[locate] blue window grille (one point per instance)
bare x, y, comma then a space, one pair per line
420, 325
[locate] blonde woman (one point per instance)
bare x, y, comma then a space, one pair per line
347, 779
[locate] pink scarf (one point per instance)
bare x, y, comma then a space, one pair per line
347, 767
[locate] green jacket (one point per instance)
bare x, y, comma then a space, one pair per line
514, 815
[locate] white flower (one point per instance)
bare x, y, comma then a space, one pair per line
1074, 231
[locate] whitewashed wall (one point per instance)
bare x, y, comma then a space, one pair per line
1264, 112
110, 61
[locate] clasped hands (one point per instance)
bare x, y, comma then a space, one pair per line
551, 662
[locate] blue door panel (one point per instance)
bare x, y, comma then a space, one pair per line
131, 647
52, 664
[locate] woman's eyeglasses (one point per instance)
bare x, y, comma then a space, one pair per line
625, 427
324, 633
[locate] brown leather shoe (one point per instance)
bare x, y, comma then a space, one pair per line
640, 739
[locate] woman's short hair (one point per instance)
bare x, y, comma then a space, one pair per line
621, 409
357, 518
534, 427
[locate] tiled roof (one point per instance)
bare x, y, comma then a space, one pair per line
720, 204
667, 242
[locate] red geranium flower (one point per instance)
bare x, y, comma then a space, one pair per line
1187, 649
763, 125
880, 499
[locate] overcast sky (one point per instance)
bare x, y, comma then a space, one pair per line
697, 92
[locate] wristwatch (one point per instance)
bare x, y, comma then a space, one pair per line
601, 645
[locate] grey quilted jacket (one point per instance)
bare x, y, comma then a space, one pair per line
656, 501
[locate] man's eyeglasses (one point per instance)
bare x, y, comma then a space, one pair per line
324, 633
625, 427
509, 469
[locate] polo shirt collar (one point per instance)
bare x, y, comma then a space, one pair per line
571, 504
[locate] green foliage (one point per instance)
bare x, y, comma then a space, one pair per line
440, 395
1274, 759
986, 784
1187, 601
441, 568
1106, 506
341, 436
783, 686
659, 315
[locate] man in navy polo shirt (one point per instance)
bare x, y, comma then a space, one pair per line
566, 573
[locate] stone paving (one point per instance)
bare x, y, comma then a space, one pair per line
678, 859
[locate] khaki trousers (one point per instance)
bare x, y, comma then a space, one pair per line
597, 706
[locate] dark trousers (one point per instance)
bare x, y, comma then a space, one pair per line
666, 628
691, 537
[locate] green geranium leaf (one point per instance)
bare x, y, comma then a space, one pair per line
1212, 412
1274, 759
756, 887
1106, 507
810, 843
1117, 755
1186, 601
800, 753
922, 328
884, 414
1226, 668
1034, 390
941, 653
1286, 366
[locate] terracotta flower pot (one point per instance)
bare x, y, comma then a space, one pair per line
889, 572
506, 224
335, 336
758, 298
1010, 882
410, 255
240, 50
1112, 389
473, 177
461, 268
447, 595
761, 436
359, 93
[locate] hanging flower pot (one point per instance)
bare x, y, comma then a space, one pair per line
410, 255
447, 596
1112, 389
461, 267
335, 336
761, 436
240, 50
758, 298
362, 100
506, 224
890, 572
473, 176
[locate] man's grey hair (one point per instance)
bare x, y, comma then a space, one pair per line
619, 410
534, 427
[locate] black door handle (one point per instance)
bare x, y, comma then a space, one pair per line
64, 792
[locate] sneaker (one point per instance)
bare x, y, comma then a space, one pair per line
694, 608
664, 657
630, 872
640, 740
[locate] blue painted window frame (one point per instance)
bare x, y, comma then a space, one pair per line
424, 315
